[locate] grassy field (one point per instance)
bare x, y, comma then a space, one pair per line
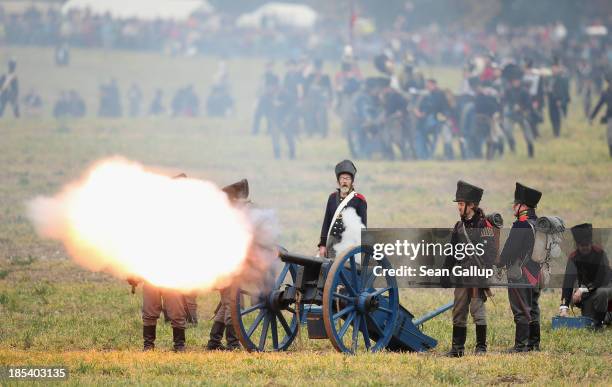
52, 312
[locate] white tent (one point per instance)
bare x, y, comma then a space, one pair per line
140, 9
282, 14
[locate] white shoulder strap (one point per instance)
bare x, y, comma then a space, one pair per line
341, 207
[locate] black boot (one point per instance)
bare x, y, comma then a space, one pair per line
533, 343
233, 343
598, 320
458, 347
481, 340
178, 337
148, 334
521, 338
530, 150
216, 335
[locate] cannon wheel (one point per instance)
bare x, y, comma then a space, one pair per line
351, 301
261, 322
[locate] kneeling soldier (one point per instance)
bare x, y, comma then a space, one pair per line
474, 229
589, 268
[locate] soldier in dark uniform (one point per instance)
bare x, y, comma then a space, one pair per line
237, 194
432, 110
523, 272
517, 108
589, 268
558, 98
534, 84
318, 95
157, 104
473, 228
366, 118
605, 99
9, 89
265, 108
395, 108
485, 107
287, 106
344, 197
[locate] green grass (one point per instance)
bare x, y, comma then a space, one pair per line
52, 312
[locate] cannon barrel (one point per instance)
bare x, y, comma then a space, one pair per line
300, 259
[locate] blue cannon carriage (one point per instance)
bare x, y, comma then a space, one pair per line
350, 311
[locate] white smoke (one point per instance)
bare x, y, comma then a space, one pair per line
175, 233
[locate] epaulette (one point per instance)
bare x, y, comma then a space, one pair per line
487, 230
573, 254
360, 196
597, 248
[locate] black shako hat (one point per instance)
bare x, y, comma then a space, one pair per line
526, 195
467, 192
583, 233
346, 166
238, 190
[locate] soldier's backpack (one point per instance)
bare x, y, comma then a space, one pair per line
548, 236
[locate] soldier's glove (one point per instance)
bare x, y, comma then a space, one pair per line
563, 311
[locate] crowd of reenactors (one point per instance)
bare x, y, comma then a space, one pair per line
301, 100
401, 114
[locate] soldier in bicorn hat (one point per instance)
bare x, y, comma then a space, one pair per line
588, 268
238, 194
523, 272
343, 197
473, 228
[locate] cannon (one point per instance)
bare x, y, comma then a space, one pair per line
339, 301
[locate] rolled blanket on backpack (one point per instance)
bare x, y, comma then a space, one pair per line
496, 219
550, 225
